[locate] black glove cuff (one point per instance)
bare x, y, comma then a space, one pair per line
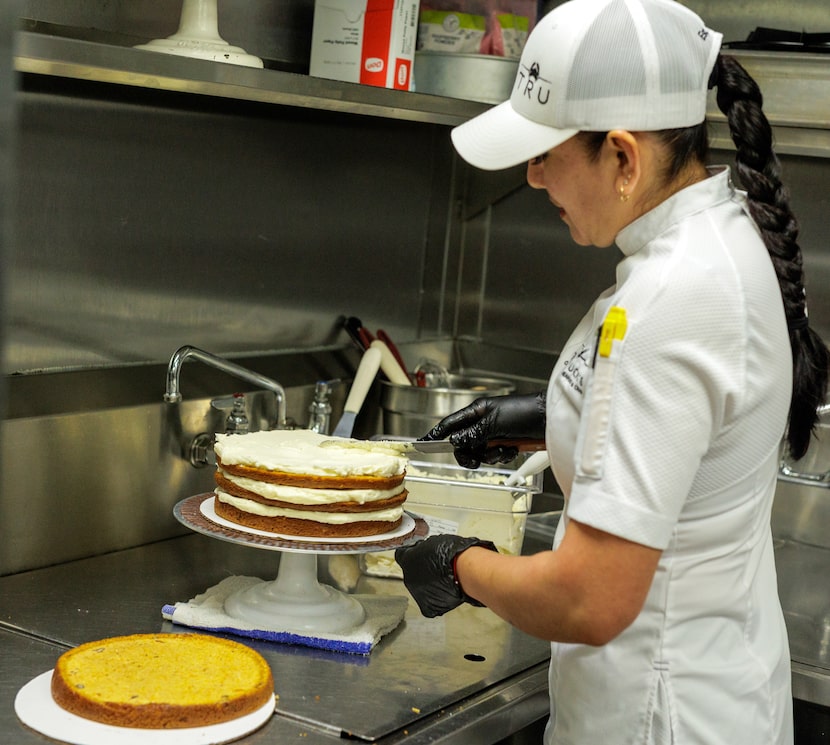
463, 545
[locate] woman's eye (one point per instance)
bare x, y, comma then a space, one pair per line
539, 159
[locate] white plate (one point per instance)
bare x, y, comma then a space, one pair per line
406, 526
37, 709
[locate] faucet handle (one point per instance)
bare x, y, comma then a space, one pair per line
201, 452
320, 408
237, 422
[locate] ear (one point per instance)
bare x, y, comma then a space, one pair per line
629, 161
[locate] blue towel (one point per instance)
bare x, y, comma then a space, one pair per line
206, 611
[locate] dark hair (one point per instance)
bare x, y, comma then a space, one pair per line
740, 99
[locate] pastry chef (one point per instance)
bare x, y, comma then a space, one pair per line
666, 409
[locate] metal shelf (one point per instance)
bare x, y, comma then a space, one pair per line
81, 59
796, 89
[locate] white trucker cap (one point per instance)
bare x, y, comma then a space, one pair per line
597, 65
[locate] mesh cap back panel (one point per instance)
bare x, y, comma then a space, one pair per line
681, 54
608, 62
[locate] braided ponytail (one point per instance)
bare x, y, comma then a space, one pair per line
739, 98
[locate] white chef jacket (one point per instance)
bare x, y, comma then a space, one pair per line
668, 435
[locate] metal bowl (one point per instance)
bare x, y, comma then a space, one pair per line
410, 411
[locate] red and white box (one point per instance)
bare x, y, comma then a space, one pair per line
365, 41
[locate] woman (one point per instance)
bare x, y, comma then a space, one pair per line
665, 411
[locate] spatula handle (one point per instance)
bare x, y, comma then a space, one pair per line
363, 379
523, 446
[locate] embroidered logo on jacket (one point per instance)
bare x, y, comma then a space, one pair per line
573, 373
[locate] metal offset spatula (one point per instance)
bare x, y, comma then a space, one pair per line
363, 378
445, 446
403, 445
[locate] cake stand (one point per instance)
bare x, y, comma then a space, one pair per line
198, 36
295, 600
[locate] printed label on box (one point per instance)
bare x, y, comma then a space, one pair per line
365, 41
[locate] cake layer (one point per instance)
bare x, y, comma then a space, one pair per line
299, 452
295, 523
162, 681
332, 518
309, 481
322, 500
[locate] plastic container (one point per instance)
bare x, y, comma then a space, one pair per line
465, 502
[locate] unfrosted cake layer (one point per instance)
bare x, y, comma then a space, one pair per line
162, 681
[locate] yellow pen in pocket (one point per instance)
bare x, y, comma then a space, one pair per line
612, 328
594, 429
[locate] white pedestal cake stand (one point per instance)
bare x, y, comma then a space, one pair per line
295, 601
198, 36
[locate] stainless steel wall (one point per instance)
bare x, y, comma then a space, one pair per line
527, 284
145, 222
151, 220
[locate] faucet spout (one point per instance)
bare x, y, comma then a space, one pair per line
173, 394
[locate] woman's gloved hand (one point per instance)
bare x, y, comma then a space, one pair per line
514, 417
429, 572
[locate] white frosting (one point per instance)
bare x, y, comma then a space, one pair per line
301, 495
301, 451
332, 518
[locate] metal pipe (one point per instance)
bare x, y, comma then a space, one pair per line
173, 393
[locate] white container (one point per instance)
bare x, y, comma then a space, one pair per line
371, 42
472, 503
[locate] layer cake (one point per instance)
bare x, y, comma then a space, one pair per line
301, 483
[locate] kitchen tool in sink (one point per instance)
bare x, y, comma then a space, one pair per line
412, 410
390, 366
352, 326
387, 340
365, 375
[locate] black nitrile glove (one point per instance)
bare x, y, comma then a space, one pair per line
510, 417
429, 574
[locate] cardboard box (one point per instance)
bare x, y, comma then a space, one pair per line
365, 41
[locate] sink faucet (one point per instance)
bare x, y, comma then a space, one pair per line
173, 394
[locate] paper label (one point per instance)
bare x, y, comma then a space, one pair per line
365, 41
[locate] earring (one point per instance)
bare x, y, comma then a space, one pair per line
623, 196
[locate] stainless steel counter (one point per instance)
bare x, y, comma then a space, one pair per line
467, 677
802, 586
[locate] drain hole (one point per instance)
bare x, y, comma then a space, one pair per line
475, 657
